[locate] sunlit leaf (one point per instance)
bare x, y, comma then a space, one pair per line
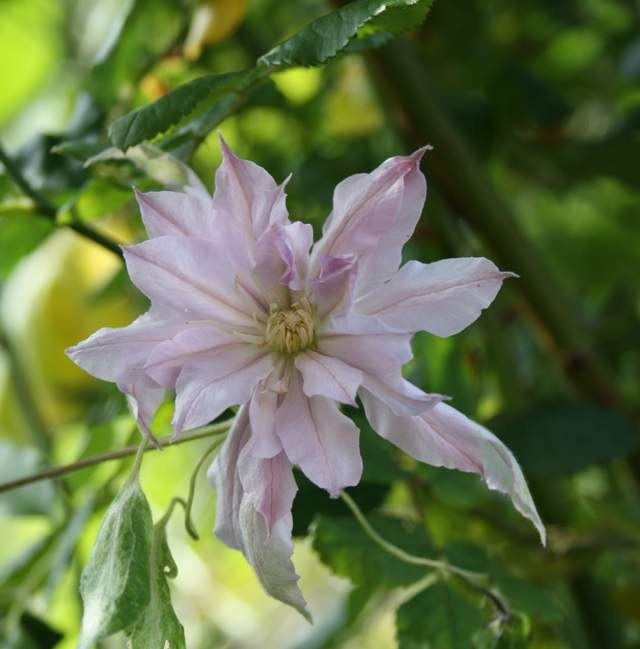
115, 584
152, 119
159, 625
327, 36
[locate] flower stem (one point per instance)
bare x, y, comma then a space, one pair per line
219, 429
476, 580
48, 210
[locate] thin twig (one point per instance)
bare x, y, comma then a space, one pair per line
55, 472
476, 580
48, 210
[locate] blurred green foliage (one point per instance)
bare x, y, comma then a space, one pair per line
534, 108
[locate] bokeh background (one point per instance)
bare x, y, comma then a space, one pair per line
533, 109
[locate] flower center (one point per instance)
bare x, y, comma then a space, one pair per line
289, 331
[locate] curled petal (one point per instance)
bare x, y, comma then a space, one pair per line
205, 389
331, 290
224, 477
253, 512
328, 377
442, 298
442, 436
177, 214
319, 438
282, 255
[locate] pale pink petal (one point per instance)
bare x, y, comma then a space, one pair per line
144, 397
205, 389
328, 377
247, 201
364, 343
223, 475
442, 298
366, 208
193, 275
319, 438
253, 513
442, 436
282, 255
177, 214
376, 268
264, 442
401, 396
331, 289
109, 354
269, 553
194, 342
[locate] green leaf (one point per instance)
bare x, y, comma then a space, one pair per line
439, 617
150, 120
31, 633
564, 437
344, 546
159, 625
329, 35
21, 232
115, 584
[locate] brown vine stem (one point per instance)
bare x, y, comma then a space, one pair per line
48, 210
219, 429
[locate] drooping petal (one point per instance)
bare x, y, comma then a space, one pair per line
401, 396
442, 436
366, 208
177, 214
328, 377
192, 275
223, 475
247, 201
253, 513
110, 354
205, 389
269, 553
194, 342
331, 290
319, 438
442, 298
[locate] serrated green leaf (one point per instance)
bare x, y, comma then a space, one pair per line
439, 617
115, 584
565, 437
159, 625
155, 118
344, 546
329, 35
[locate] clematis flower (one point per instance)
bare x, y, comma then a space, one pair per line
247, 311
